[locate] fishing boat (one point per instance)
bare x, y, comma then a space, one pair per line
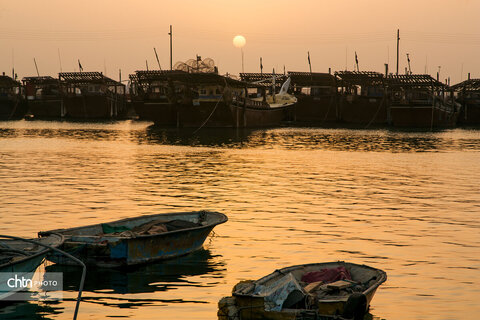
138, 240
22, 258
92, 95
12, 101
45, 97
319, 289
317, 97
152, 96
420, 101
363, 98
468, 95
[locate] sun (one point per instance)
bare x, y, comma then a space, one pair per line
239, 41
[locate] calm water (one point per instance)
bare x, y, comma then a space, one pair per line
405, 202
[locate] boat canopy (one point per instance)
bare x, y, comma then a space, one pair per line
40, 81
143, 77
414, 81
8, 82
311, 79
467, 85
359, 78
79, 78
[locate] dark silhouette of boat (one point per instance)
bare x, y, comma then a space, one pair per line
12, 101
420, 101
468, 95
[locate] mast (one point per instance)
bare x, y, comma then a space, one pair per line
171, 54
398, 42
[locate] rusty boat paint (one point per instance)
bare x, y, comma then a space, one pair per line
96, 249
251, 306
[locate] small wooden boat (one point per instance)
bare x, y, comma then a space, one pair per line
138, 240
23, 258
320, 289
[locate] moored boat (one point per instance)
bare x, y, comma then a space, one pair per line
317, 97
363, 98
92, 95
468, 95
45, 97
152, 96
12, 101
319, 289
138, 240
22, 258
420, 101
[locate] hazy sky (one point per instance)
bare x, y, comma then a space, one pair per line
112, 35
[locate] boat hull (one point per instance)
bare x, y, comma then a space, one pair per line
47, 108
316, 109
470, 113
219, 114
422, 116
94, 106
162, 113
12, 109
363, 110
252, 307
121, 251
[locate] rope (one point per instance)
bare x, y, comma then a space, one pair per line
376, 113
215, 108
84, 268
14, 109
328, 110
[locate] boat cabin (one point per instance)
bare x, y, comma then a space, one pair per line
42, 87
90, 83
9, 88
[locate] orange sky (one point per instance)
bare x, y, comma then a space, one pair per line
109, 35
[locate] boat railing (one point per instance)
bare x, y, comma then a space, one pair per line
249, 103
84, 267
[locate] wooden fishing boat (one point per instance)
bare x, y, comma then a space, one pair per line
23, 258
420, 101
92, 95
12, 101
152, 96
317, 97
138, 240
45, 97
468, 95
206, 99
319, 289
363, 98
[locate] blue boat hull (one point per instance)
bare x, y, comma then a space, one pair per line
117, 251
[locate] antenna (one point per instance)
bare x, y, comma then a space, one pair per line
409, 68
171, 54
158, 61
36, 67
398, 43
261, 66
13, 64
309, 63
59, 59
356, 61
146, 63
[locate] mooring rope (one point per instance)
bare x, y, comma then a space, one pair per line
211, 113
376, 113
14, 109
328, 110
